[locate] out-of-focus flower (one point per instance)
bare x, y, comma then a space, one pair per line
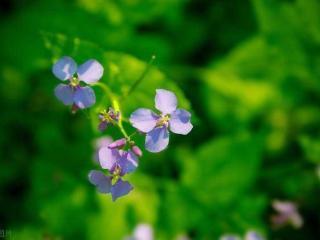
156, 126
119, 163
230, 237
250, 235
142, 231
287, 214
253, 235
73, 93
107, 118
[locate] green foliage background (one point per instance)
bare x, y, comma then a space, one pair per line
249, 71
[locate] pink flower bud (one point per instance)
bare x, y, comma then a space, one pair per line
136, 150
118, 143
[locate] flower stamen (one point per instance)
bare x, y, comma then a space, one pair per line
74, 82
163, 120
116, 174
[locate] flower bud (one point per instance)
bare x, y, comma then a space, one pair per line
136, 150
102, 126
118, 143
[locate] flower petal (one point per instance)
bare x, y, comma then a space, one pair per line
253, 235
64, 68
296, 220
99, 143
180, 122
84, 97
230, 237
157, 140
64, 93
128, 162
144, 119
284, 206
102, 126
143, 232
119, 189
100, 180
90, 72
166, 101
108, 157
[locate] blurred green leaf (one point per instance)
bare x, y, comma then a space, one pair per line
224, 169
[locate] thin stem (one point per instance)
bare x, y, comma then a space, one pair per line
139, 80
132, 134
105, 88
122, 130
116, 107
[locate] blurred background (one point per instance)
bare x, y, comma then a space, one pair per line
248, 71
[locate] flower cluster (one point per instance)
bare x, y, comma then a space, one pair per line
119, 157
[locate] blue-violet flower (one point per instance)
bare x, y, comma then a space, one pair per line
72, 93
156, 126
119, 163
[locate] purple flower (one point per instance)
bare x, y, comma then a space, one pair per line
253, 235
287, 214
230, 237
107, 117
142, 231
119, 163
72, 93
156, 126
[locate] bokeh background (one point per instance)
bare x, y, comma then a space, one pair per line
248, 71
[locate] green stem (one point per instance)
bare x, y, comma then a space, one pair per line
122, 130
132, 134
115, 105
105, 88
139, 80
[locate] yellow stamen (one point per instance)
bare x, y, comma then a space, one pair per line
105, 116
116, 174
74, 82
163, 120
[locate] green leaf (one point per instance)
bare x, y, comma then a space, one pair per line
224, 169
311, 148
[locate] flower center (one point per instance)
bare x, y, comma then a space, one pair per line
74, 82
116, 174
163, 120
105, 116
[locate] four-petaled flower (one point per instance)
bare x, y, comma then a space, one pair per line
119, 163
156, 126
72, 93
